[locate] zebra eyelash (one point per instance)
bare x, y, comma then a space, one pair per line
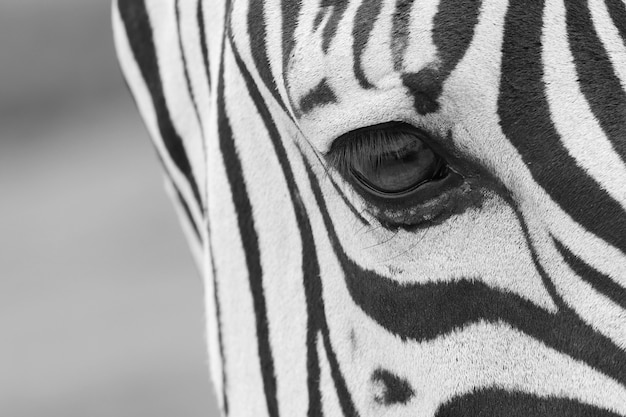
367, 146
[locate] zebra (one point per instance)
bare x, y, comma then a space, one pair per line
409, 207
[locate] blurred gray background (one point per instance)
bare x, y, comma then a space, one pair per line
100, 303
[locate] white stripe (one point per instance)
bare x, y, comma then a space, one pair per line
377, 58
274, 45
590, 248
479, 355
163, 21
214, 28
194, 242
241, 38
473, 105
339, 59
330, 400
245, 383
481, 138
217, 192
498, 255
146, 108
190, 34
144, 103
421, 50
483, 355
306, 65
592, 307
212, 331
279, 244
199, 83
538, 207
580, 132
338, 305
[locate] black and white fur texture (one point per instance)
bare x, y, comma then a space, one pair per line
507, 299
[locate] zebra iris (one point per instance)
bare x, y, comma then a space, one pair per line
399, 170
389, 161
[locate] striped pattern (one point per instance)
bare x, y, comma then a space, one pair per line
510, 300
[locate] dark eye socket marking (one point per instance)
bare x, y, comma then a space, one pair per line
398, 171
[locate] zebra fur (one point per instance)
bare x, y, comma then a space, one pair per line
507, 298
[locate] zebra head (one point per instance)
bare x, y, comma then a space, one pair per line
408, 207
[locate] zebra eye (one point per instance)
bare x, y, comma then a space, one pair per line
399, 170
388, 161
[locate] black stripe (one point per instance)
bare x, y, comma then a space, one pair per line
545, 279
180, 198
525, 120
350, 206
596, 77
425, 88
310, 265
183, 203
313, 292
318, 96
290, 11
203, 41
366, 16
330, 30
453, 31
400, 31
250, 242
139, 31
345, 399
211, 253
207, 69
617, 11
189, 86
321, 13
425, 311
600, 282
186, 68
494, 402
316, 321
396, 390
258, 47
218, 315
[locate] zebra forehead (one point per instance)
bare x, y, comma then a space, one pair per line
470, 71
337, 55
